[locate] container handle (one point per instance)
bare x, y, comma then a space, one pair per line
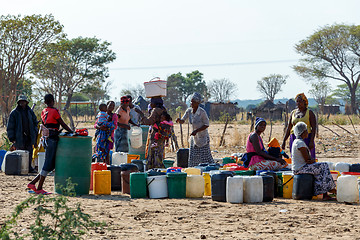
156, 79
288, 181
147, 185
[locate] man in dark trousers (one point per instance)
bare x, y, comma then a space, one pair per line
22, 128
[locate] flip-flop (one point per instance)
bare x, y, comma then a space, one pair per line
31, 187
31, 191
43, 192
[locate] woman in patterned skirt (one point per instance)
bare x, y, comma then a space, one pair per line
199, 140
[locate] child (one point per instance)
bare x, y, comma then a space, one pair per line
51, 120
163, 129
103, 137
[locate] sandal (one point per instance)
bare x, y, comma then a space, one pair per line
43, 192
32, 187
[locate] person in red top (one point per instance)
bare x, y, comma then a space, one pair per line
51, 121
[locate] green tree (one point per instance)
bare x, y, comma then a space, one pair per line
70, 65
97, 93
21, 38
174, 97
193, 82
271, 85
333, 52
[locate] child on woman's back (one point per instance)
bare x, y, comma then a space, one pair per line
163, 129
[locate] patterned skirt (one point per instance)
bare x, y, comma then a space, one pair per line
199, 154
267, 165
323, 180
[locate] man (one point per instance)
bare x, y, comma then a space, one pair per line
22, 128
134, 116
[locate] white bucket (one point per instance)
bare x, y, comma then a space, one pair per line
155, 87
195, 186
136, 137
347, 189
157, 186
342, 167
41, 160
235, 189
119, 158
253, 189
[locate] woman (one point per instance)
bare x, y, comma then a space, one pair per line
261, 160
301, 114
200, 140
155, 154
303, 163
114, 117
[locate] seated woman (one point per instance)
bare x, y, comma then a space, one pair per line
260, 160
303, 163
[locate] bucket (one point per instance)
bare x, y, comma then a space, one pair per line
303, 187
141, 150
131, 157
192, 171
176, 184
195, 186
115, 177
125, 180
235, 189
168, 163
182, 157
342, 167
155, 87
218, 186
41, 161
135, 136
119, 158
268, 188
157, 186
102, 182
288, 180
347, 189
207, 184
139, 164
253, 189
138, 185
96, 166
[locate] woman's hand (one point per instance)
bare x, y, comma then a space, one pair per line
194, 132
12, 148
178, 120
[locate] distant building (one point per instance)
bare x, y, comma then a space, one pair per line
217, 109
330, 109
268, 109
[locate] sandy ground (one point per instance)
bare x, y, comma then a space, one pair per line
205, 219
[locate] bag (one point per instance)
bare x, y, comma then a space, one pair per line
82, 132
246, 158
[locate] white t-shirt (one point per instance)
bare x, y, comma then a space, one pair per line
297, 158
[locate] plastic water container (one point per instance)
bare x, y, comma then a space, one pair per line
138, 185
274, 175
347, 189
279, 184
355, 167
195, 186
11, 164
155, 87
135, 136
176, 184
102, 182
2, 155
126, 170
235, 189
245, 172
139, 164
131, 157
268, 188
207, 184
182, 157
119, 158
115, 177
41, 161
253, 189
157, 186
24, 160
331, 166
218, 186
288, 180
173, 169
303, 187
192, 171
342, 167
96, 166
168, 163
335, 175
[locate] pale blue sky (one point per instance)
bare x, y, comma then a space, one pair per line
146, 34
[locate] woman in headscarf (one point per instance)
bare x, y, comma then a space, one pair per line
259, 158
199, 140
303, 163
301, 114
154, 154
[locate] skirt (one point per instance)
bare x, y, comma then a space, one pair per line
199, 154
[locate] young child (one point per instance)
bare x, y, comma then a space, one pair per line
163, 129
103, 136
51, 121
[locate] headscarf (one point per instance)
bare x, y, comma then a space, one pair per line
157, 101
303, 97
196, 97
124, 99
258, 121
299, 128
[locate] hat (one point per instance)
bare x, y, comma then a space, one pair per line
258, 121
299, 128
22, 98
196, 97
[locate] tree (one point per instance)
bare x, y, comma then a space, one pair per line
193, 82
21, 38
174, 95
97, 93
320, 91
332, 52
221, 90
134, 92
271, 85
70, 65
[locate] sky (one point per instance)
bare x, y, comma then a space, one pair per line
240, 40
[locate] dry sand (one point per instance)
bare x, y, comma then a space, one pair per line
205, 219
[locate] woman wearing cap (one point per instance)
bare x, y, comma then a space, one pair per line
154, 155
301, 114
261, 160
200, 141
303, 163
